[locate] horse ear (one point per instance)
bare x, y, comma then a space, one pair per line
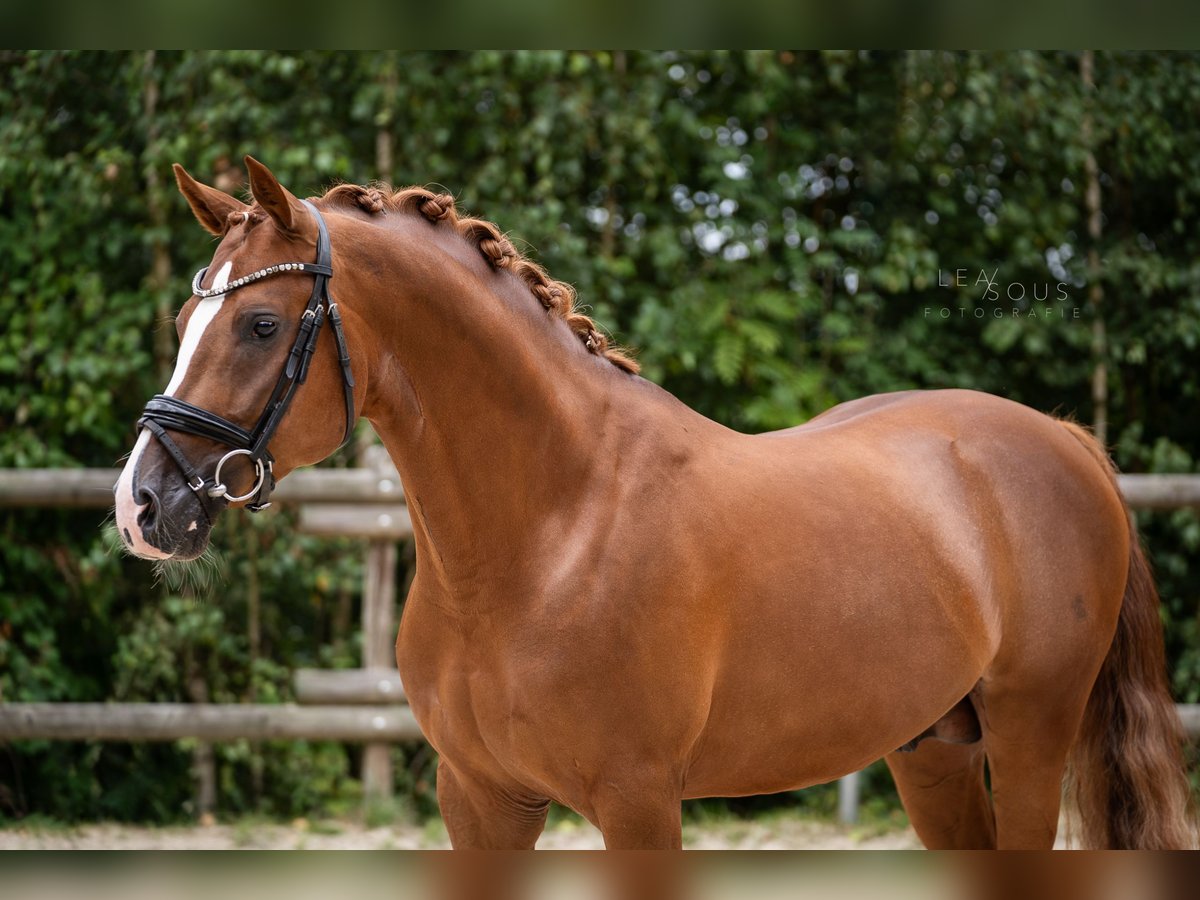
276, 200
210, 206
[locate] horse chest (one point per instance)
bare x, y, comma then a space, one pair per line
461, 684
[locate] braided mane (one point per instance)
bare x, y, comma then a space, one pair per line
556, 296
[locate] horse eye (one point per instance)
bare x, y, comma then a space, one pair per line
264, 328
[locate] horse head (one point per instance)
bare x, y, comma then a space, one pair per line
260, 387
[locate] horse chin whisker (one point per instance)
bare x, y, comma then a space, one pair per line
194, 576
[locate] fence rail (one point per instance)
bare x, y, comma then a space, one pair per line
256, 722
205, 721
94, 488
348, 686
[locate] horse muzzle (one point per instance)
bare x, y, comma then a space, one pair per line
159, 516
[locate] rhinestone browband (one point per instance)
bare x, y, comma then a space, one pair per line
204, 293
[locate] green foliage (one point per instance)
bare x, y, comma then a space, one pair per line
774, 232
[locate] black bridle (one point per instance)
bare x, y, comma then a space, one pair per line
164, 413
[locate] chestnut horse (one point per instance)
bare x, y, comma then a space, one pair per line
619, 603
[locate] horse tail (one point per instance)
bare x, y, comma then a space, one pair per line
1127, 775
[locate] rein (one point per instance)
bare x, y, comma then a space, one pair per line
164, 413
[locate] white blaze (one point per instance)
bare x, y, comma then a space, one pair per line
128, 508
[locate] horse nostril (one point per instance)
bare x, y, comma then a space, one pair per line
148, 517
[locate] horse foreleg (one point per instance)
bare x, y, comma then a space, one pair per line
483, 816
639, 814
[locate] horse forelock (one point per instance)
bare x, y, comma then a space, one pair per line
557, 297
249, 217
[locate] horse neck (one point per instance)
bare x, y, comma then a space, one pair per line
493, 412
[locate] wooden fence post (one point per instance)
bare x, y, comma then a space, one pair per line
379, 630
848, 798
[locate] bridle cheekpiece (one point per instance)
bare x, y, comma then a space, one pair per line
165, 413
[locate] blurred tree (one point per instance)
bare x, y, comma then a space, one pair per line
774, 231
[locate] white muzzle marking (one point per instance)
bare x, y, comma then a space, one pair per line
128, 509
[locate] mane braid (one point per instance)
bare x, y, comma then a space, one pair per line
556, 296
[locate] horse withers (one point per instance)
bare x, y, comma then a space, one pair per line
618, 603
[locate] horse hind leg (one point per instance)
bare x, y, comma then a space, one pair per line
1030, 706
940, 777
1028, 739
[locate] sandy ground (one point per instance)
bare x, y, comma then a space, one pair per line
772, 833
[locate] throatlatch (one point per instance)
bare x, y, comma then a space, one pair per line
164, 413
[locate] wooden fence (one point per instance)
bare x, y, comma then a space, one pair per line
362, 705
332, 705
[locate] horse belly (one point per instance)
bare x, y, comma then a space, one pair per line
870, 610
812, 690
